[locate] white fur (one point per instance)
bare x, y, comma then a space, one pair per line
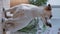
30, 12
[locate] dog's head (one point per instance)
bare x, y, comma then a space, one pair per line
48, 11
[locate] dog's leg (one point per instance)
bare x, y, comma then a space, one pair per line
47, 23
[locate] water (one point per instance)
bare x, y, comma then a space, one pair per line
56, 12
55, 21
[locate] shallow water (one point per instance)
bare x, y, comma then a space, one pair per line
56, 12
55, 21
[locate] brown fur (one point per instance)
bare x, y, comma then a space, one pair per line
48, 8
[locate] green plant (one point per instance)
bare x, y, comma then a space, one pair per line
38, 2
31, 27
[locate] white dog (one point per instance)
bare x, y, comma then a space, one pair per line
24, 13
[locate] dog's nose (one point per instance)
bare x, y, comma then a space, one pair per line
50, 16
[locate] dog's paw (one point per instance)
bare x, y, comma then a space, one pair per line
49, 24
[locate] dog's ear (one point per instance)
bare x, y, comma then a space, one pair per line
48, 7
